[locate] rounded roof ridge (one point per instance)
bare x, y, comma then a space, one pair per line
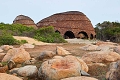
66, 16
20, 17
72, 13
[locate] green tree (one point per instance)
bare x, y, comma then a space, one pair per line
108, 31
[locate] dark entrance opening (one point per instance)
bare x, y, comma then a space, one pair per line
91, 36
95, 36
82, 35
69, 34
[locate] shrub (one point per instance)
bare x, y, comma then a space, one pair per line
23, 42
17, 29
47, 34
7, 39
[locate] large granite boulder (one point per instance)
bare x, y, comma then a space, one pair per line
18, 55
1, 56
114, 71
28, 71
4, 76
80, 78
46, 55
61, 51
6, 47
100, 57
27, 46
61, 67
117, 49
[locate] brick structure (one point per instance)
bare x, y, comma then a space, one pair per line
71, 24
25, 20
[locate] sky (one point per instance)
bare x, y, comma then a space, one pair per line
96, 10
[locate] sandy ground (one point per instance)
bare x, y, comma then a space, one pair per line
72, 46
75, 40
31, 40
36, 42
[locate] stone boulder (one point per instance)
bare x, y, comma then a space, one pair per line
61, 51
117, 49
59, 68
18, 55
4, 76
100, 57
106, 47
89, 47
97, 69
106, 43
80, 78
13, 71
27, 46
29, 62
3, 69
57, 57
2, 55
11, 64
114, 71
28, 71
46, 55
83, 64
1, 50
6, 47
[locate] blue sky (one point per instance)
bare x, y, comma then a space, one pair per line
96, 10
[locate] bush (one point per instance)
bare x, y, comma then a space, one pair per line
17, 29
23, 42
7, 39
47, 34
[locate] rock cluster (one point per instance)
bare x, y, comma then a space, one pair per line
59, 64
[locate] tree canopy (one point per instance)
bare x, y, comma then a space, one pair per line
108, 31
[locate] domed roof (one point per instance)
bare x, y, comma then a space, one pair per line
67, 16
21, 17
74, 21
25, 20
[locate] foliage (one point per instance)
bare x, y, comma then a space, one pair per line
47, 34
21, 42
7, 39
108, 31
4, 63
16, 29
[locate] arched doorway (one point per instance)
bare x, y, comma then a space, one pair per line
69, 34
95, 36
82, 35
91, 36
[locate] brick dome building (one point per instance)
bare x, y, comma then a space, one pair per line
25, 20
71, 24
